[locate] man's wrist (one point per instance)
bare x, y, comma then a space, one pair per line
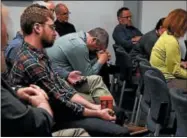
46, 106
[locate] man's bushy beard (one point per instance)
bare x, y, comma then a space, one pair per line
46, 43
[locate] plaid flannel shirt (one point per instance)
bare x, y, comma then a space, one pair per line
32, 66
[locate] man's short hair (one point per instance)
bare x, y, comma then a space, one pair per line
159, 23
101, 35
119, 12
34, 14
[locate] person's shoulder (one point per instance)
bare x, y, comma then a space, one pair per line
26, 54
120, 26
150, 33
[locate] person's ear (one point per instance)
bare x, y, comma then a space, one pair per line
94, 40
37, 28
119, 19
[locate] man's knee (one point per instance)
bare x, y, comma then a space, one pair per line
95, 78
73, 132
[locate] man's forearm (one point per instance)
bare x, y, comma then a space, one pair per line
91, 113
79, 99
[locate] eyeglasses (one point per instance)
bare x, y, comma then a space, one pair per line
126, 17
66, 13
52, 26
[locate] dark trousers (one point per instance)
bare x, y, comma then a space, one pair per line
65, 118
95, 127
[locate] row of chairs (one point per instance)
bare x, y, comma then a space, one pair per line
152, 94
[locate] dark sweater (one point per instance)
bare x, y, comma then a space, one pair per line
123, 34
64, 28
145, 45
20, 119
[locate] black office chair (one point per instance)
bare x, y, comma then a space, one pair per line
161, 115
141, 58
125, 78
144, 96
179, 103
115, 76
140, 88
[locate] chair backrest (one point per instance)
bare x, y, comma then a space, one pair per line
141, 58
115, 47
144, 88
124, 62
143, 67
159, 93
179, 103
160, 110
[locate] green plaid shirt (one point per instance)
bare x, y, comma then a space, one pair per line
32, 66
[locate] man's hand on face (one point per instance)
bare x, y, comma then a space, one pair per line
74, 77
103, 57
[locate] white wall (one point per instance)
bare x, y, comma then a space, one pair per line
85, 15
15, 10
152, 11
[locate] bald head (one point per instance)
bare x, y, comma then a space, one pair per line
62, 12
48, 4
51, 5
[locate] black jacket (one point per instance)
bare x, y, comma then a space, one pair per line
145, 45
19, 118
64, 28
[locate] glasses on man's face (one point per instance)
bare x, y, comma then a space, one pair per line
126, 17
65, 14
52, 26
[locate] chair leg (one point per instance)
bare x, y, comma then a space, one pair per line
148, 114
122, 93
112, 84
157, 131
134, 109
138, 111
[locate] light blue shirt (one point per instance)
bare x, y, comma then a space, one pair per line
71, 53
